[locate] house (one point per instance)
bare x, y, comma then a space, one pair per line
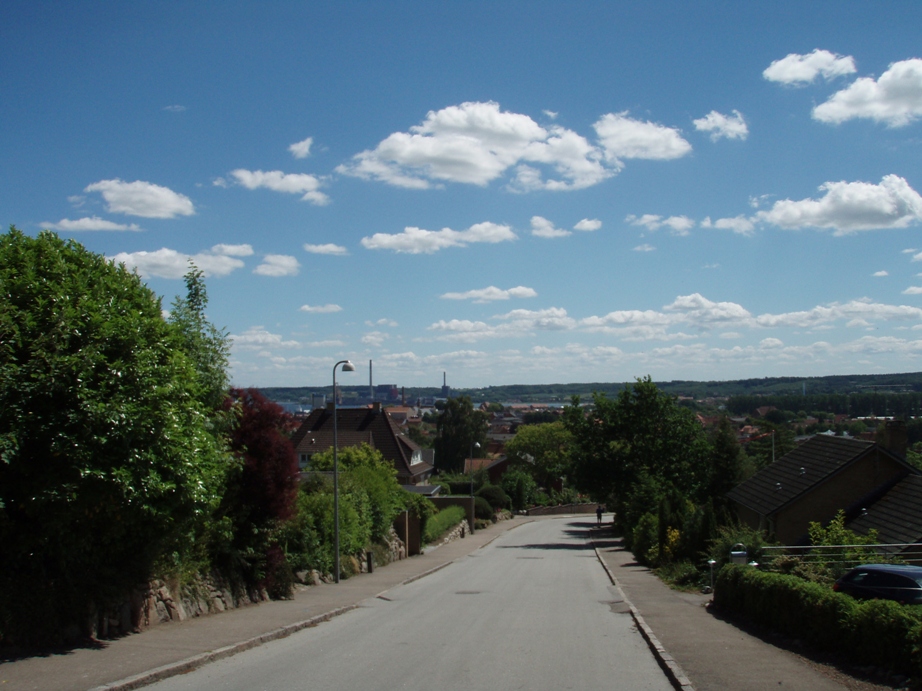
817, 479
896, 516
495, 467
368, 425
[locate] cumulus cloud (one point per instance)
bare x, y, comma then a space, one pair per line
895, 99
492, 293
679, 225
880, 274
913, 290
418, 241
543, 228
140, 198
723, 126
302, 149
850, 207
258, 338
375, 339
329, 248
276, 265
588, 225
290, 183
89, 223
320, 309
645, 248
623, 137
864, 309
517, 323
167, 263
174, 109
476, 143
738, 224
799, 70
244, 250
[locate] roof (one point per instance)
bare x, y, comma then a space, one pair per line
357, 426
897, 516
796, 473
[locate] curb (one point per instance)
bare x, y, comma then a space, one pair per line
666, 661
173, 669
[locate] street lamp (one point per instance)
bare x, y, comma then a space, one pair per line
347, 367
474, 445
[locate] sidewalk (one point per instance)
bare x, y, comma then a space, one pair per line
169, 649
711, 653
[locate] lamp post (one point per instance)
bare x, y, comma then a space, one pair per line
347, 367
474, 445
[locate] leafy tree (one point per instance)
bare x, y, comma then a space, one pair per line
206, 345
458, 428
520, 486
262, 490
776, 441
107, 462
542, 450
636, 448
726, 460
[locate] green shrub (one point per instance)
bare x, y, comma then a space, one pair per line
874, 632
482, 509
442, 522
644, 544
495, 495
521, 488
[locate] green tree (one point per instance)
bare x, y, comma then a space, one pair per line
637, 447
458, 428
207, 346
725, 464
543, 450
107, 462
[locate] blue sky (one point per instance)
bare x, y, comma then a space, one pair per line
508, 192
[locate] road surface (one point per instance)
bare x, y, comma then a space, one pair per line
532, 610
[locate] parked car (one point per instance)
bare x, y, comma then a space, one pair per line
899, 582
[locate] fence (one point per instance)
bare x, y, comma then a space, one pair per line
838, 558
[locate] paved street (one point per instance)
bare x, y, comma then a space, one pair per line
534, 609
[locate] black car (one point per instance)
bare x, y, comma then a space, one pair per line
899, 582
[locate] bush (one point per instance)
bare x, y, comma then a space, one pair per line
442, 522
645, 542
482, 509
495, 495
520, 487
873, 632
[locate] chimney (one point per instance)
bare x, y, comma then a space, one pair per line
895, 437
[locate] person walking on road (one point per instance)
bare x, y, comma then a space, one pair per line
598, 514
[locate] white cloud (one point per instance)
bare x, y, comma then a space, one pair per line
290, 183
175, 109
551, 114
476, 143
680, 225
258, 338
276, 265
850, 207
329, 248
913, 290
802, 69
492, 293
623, 137
702, 313
320, 309
543, 228
167, 263
879, 274
384, 321
375, 339
645, 248
301, 149
894, 99
825, 314
588, 225
90, 223
233, 250
720, 125
419, 241
141, 198
739, 225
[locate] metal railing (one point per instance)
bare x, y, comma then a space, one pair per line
842, 557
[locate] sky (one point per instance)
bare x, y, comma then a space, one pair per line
497, 192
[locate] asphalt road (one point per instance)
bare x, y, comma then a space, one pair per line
532, 610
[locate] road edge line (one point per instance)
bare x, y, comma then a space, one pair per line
672, 668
